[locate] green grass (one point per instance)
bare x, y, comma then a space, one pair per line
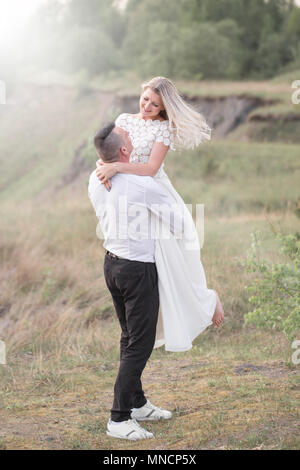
61, 368
44, 128
38, 140
278, 130
236, 177
57, 316
287, 77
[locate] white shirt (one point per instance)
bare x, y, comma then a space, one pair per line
132, 214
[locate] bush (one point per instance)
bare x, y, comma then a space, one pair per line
275, 292
274, 52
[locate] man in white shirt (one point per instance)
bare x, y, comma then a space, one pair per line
129, 215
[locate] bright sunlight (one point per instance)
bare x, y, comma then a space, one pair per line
14, 15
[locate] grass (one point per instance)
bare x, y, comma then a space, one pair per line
287, 77
53, 119
235, 389
277, 130
232, 177
57, 387
50, 124
230, 410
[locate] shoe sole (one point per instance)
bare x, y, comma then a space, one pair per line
152, 419
117, 436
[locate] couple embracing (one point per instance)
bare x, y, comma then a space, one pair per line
144, 268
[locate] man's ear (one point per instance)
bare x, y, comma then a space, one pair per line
124, 154
124, 151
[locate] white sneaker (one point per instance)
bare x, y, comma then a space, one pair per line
129, 429
149, 412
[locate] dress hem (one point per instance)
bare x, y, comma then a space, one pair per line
183, 349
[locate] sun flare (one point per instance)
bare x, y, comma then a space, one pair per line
14, 15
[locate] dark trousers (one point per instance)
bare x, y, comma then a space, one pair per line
134, 289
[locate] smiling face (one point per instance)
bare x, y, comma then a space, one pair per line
150, 104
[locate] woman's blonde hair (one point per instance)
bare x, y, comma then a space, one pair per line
190, 127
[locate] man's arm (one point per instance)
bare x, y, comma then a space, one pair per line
95, 192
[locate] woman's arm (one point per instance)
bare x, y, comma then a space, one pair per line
158, 153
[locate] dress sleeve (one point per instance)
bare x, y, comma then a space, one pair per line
165, 135
122, 122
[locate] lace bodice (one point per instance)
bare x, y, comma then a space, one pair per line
143, 133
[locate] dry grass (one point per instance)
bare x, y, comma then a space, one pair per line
214, 406
129, 85
236, 388
63, 345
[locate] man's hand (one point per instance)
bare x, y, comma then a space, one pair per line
105, 171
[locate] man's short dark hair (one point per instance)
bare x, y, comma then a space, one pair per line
108, 143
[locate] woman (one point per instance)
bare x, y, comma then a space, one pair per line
166, 120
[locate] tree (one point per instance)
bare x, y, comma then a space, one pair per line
202, 52
159, 57
182, 38
293, 23
99, 15
141, 19
273, 52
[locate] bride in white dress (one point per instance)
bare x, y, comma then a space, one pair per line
165, 120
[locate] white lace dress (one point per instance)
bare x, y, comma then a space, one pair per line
186, 304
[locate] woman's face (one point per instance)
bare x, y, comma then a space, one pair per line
150, 104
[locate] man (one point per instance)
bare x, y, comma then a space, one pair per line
124, 213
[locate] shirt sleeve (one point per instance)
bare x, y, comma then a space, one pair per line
165, 135
95, 192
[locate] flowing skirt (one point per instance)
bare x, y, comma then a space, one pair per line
186, 304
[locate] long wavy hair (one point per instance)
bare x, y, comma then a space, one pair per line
190, 127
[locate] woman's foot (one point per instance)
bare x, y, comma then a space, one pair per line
218, 317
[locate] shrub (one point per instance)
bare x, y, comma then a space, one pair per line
275, 292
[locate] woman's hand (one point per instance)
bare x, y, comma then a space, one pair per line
104, 172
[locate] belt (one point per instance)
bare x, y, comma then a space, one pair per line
112, 255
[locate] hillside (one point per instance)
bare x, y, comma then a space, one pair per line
237, 387
46, 130
40, 129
